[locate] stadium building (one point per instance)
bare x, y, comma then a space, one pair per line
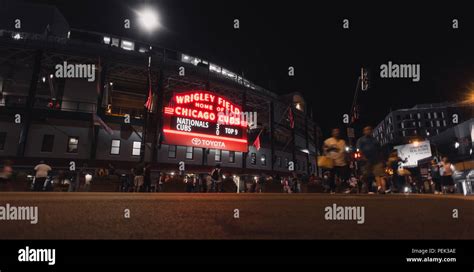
73, 95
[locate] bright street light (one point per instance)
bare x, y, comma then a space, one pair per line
148, 19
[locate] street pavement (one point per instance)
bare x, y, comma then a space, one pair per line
237, 216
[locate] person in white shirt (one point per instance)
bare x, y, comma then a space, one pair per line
335, 148
41, 174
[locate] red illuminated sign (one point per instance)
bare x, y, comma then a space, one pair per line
203, 119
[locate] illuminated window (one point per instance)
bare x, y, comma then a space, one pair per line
218, 155
107, 40
287, 162
115, 42
115, 147
136, 148
3, 139
171, 151
253, 158
232, 156
189, 152
72, 144
48, 142
263, 159
215, 68
127, 45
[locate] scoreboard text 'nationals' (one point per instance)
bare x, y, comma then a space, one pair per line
203, 119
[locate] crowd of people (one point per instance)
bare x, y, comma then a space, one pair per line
375, 172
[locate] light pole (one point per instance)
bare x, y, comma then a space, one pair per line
148, 21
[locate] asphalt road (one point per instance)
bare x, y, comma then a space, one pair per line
260, 216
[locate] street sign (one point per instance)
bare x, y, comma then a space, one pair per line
412, 153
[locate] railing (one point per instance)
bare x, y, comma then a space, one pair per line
65, 105
20, 101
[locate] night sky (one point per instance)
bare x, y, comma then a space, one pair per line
274, 35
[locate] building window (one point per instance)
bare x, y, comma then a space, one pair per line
444, 123
278, 161
389, 120
438, 123
442, 114
115, 147
263, 159
435, 114
48, 142
253, 158
136, 148
72, 144
171, 151
287, 162
231, 156
127, 45
418, 115
218, 155
189, 152
3, 139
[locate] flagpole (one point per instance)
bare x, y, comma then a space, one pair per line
146, 108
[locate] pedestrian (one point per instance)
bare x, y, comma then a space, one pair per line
189, 180
209, 182
216, 179
261, 184
138, 179
393, 164
147, 177
335, 148
286, 185
7, 171
296, 184
161, 181
435, 176
447, 170
372, 161
111, 169
41, 175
